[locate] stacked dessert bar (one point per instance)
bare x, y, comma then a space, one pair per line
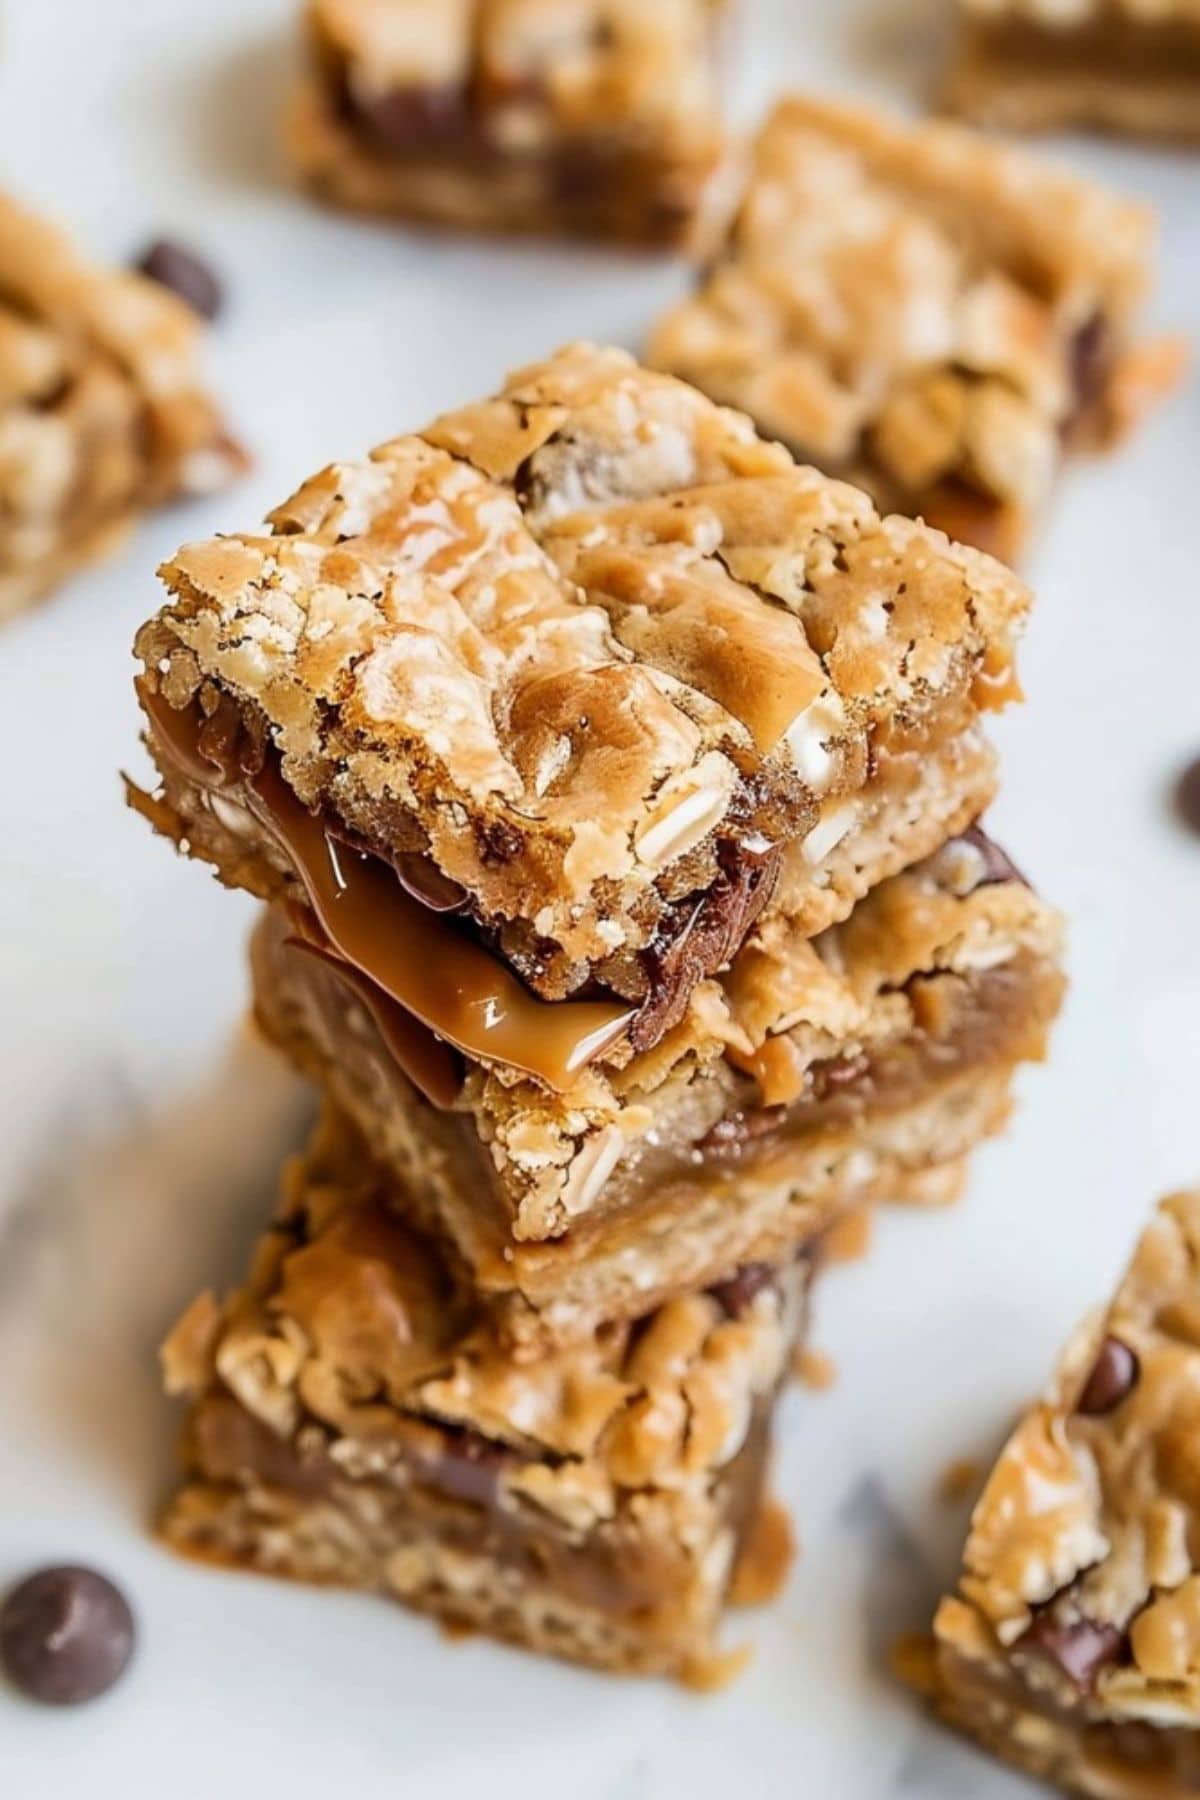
611, 784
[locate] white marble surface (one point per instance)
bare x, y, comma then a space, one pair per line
140, 1132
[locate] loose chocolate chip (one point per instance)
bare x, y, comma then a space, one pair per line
1187, 796
736, 1294
997, 865
66, 1635
1080, 1647
178, 269
1114, 1374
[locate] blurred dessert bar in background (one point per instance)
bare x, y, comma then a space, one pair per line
595, 118
1123, 65
1072, 1644
103, 413
354, 1421
925, 311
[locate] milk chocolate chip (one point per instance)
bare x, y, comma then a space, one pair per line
1080, 1647
1114, 1374
66, 1635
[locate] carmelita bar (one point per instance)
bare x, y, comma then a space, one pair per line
354, 1421
924, 310
1126, 65
813, 1074
1072, 1646
103, 413
571, 687
598, 119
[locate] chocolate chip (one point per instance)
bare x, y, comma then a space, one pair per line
700, 936
730, 1135
997, 865
1080, 1647
469, 1467
742, 1287
837, 1073
1090, 361
178, 269
66, 1635
1187, 796
1114, 1374
406, 118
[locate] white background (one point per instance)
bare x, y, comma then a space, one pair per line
140, 1130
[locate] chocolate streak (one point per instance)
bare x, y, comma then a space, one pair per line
439, 974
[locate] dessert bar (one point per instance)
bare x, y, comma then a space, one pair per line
354, 1421
596, 118
815, 1073
102, 411
553, 700
1072, 1646
924, 311
1125, 65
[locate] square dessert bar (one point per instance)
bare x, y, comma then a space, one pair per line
354, 1421
102, 411
925, 311
1126, 65
814, 1075
589, 117
547, 702
1072, 1646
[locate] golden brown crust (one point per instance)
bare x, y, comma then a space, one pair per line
573, 640
102, 413
917, 307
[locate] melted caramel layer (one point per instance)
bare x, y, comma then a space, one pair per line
438, 974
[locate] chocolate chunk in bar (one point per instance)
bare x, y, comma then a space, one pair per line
1079, 1647
1113, 1377
738, 1293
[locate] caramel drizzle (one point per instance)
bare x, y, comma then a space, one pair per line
442, 977
417, 1051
